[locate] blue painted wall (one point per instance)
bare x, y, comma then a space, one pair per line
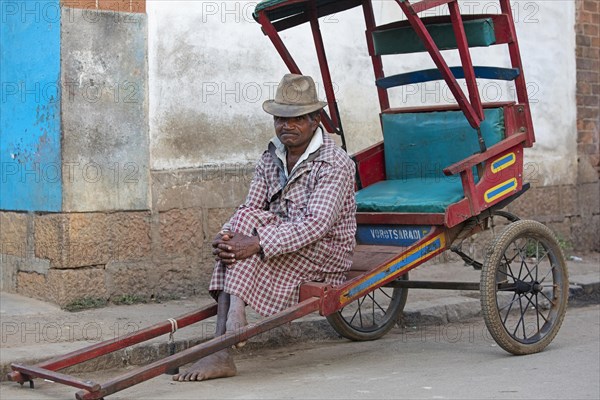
30, 131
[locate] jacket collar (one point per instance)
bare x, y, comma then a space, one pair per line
280, 151
325, 153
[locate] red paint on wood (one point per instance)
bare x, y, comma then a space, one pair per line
159, 367
109, 346
370, 165
368, 218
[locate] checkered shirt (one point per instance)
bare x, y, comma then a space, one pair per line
306, 226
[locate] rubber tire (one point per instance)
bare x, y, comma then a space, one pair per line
395, 308
488, 288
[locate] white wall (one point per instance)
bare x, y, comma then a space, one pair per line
211, 68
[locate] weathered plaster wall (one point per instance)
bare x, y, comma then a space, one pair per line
30, 128
211, 68
104, 111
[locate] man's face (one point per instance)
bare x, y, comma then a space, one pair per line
296, 132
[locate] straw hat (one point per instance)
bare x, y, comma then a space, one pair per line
296, 95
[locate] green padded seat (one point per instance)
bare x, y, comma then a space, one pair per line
417, 147
429, 195
480, 32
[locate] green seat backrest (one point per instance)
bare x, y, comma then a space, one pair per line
479, 32
421, 145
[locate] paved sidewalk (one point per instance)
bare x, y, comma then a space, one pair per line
32, 331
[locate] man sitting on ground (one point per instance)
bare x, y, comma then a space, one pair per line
296, 225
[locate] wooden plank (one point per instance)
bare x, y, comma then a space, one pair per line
500, 21
399, 218
493, 151
427, 75
369, 259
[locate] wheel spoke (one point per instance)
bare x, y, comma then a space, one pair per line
537, 310
519, 253
524, 264
521, 320
353, 316
515, 256
355, 313
360, 312
514, 299
545, 319
547, 298
373, 307
542, 257
509, 308
547, 273
506, 273
381, 308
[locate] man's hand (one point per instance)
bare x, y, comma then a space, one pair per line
231, 246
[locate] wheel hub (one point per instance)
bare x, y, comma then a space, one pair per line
528, 287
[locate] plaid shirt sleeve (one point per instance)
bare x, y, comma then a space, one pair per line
324, 206
257, 197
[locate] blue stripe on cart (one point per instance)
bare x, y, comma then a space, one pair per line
503, 162
402, 263
500, 190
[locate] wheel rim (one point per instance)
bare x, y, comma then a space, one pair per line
370, 313
529, 288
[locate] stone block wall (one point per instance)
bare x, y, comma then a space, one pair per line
163, 252
67, 257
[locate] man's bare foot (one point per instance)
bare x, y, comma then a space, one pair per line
217, 365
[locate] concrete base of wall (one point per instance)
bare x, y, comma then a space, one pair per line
166, 252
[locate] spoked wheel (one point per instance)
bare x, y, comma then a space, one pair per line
469, 250
524, 287
372, 316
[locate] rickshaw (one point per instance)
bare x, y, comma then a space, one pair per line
442, 174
